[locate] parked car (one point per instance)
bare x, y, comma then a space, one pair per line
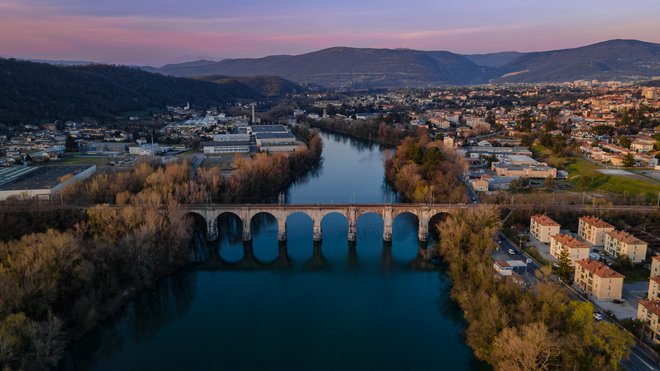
598, 317
512, 252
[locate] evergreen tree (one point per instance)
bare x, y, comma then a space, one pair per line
565, 270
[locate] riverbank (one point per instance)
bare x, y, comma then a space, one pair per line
514, 328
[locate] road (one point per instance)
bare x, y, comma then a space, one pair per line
639, 361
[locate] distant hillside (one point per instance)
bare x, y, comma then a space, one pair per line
493, 59
343, 67
609, 60
269, 86
355, 68
32, 92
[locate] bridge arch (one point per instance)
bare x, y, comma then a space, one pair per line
434, 218
300, 230
337, 225
263, 233
371, 223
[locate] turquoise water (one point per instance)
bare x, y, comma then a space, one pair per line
301, 305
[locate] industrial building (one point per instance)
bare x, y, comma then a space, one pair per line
40, 181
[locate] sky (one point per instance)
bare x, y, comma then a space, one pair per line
156, 32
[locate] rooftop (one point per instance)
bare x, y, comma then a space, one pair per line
570, 242
545, 220
651, 305
625, 237
599, 269
44, 177
269, 129
286, 135
596, 222
227, 143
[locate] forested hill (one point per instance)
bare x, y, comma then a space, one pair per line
270, 86
34, 92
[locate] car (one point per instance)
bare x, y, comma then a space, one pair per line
617, 301
598, 317
528, 261
512, 252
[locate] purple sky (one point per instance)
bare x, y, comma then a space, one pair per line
156, 32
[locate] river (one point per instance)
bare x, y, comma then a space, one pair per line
310, 307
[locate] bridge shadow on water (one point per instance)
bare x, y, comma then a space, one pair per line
213, 259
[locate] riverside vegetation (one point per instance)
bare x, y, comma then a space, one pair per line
424, 171
512, 328
57, 284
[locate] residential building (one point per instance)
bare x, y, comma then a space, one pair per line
655, 266
479, 185
598, 280
542, 227
654, 289
622, 243
577, 250
592, 229
649, 311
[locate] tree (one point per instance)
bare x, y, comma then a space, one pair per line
549, 183
70, 145
625, 142
517, 184
565, 270
629, 160
623, 261
528, 347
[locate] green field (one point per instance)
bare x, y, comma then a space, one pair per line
583, 176
621, 184
84, 160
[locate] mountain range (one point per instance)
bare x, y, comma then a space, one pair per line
362, 68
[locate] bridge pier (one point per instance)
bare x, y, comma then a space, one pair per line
352, 232
423, 231
247, 235
281, 230
387, 225
318, 236
212, 230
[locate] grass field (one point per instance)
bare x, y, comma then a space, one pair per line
630, 185
83, 160
583, 176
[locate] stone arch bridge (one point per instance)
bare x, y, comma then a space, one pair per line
316, 213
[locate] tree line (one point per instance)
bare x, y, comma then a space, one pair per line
378, 130
513, 328
424, 171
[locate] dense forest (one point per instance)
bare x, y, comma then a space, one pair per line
517, 329
32, 92
423, 171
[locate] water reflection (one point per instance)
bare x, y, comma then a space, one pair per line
328, 305
150, 312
